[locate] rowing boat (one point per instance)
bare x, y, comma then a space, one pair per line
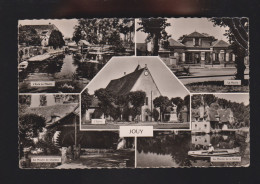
218, 152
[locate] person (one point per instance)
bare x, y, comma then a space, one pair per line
210, 149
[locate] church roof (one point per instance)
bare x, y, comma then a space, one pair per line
174, 43
124, 84
220, 43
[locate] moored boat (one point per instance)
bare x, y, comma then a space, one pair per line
23, 65
218, 152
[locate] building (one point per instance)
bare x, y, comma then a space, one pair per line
138, 80
196, 49
56, 109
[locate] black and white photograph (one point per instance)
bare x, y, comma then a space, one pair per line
49, 137
64, 55
135, 91
206, 54
179, 149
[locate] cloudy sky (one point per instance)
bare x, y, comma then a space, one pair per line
167, 83
66, 26
239, 98
181, 26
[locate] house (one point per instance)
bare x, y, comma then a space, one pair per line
56, 109
196, 49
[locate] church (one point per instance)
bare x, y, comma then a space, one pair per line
122, 75
139, 80
198, 49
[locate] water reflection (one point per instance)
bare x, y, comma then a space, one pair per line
167, 149
63, 69
96, 139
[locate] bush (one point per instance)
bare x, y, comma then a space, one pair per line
156, 114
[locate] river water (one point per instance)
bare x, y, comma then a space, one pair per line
171, 150
66, 70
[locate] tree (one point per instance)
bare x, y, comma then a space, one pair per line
106, 100
28, 35
77, 35
178, 101
238, 37
181, 37
156, 114
30, 125
86, 100
56, 39
137, 99
155, 28
161, 102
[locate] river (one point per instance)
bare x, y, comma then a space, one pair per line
69, 74
167, 149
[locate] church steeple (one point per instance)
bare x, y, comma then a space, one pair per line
138, 67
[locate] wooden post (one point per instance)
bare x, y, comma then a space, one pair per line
75, 123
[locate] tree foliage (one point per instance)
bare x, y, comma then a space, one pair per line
30, 125
56, 39
161, 102
28, 35
86, 100
104, 31
77, 34
106, 100
238, 35
155, 28
137, 99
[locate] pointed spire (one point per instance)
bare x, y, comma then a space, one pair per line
138, 67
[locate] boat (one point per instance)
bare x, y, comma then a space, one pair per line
218, 152
22, 66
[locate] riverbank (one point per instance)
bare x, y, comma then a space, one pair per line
104, 159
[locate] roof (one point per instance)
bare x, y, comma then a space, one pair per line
61, 110
39, 28
124, 84
197, 35
174, 43
84, 42
220, 43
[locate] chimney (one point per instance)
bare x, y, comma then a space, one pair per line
145, 66
124, 73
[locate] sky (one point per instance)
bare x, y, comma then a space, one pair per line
66, 26
167, 83
181, 26
239, 98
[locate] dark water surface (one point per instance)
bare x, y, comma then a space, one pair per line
170, 150
63, 69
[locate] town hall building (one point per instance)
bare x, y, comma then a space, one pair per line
197, 49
